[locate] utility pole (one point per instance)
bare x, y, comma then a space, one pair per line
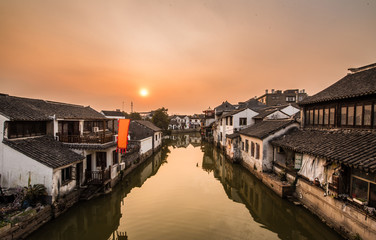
131, 107
123, 107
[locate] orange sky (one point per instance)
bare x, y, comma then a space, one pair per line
189, 54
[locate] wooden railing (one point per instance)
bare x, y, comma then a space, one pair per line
90, 138
97, 177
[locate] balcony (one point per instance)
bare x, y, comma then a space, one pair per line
94, 138
100, 177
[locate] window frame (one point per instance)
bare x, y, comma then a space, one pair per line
66, 175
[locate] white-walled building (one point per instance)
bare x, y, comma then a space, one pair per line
277, 112
256, 150
231, 122
61, 146
149, 136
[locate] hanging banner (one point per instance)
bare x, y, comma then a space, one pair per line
122, 139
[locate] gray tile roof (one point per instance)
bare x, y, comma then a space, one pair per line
225, 106
113, 113
233, 112
91, 146
233, 135
265, 128
269, 110
45, 150
27, 109
351, 147
253, 104
357, 84
148, 124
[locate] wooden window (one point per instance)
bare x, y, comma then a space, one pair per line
326, 116
242, 121
358, 115
316, 117
242, 145
307, 117
230, 121
252, 149
226, 121
115, 157
332, 112
343, 116
363, 188
311, 117
321, 115
257, 151
359, 188
18, 129
66, 174
246, 145
367, 115
350, 115
374, 115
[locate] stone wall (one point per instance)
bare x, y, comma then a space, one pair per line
342, 216
29, 221
63, 203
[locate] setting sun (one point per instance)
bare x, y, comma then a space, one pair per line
144, 92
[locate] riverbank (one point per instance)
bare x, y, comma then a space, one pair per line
20, 224
351, 220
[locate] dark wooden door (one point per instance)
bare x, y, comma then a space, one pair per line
88, 163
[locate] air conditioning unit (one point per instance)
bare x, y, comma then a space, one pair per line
95, 129
121, 166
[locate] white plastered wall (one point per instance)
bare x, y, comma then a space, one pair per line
58, 188
158, 136
247, 113
146, 145
290, 110
18, 168
252, 162
277, 115
2, 132
267, 153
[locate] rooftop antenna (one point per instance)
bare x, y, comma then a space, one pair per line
123, 106
131, 106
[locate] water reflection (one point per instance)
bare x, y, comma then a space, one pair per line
187, 199
266, 208
100, 218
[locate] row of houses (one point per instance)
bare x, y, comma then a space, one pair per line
185, 122
322, 151
65, 147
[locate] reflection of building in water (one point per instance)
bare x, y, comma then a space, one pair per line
184, 140
99, 218
276, 214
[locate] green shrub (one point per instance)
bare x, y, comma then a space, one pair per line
35, 194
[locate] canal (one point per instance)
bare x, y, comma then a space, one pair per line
188, 190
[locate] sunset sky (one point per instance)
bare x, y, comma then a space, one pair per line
188, 55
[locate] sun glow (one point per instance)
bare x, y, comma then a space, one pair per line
144, 92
